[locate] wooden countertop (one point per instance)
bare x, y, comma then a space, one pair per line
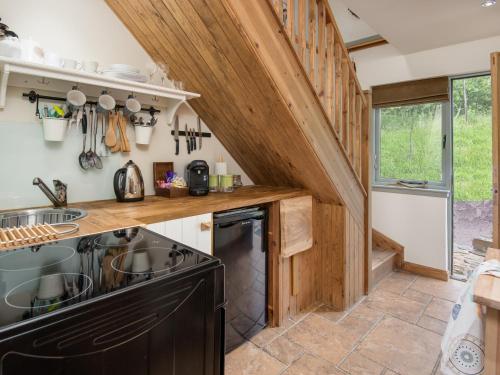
108, 215
487, 289
156, 209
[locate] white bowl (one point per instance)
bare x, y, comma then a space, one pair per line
10, 47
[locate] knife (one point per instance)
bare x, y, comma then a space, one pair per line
194, 139
199, 132
176, 135
187, 139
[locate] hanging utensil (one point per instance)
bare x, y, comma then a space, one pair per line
112, 124
110, 131
176, 134
122, 123
103, 150
200, 138
89, 154
82, 159
96, 158
186, 133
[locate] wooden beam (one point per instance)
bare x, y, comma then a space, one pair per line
302, 30
320, 84
290, 19
365, 44
495, 98
425, 271
330, 74
275, 277
366, 179
311, 66
345, 104
338, 88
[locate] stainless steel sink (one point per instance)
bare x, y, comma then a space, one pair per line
40, 216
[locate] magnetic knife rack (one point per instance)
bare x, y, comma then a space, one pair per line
34, 97
182, 133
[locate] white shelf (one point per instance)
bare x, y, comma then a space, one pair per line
23, 74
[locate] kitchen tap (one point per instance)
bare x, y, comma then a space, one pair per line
59, 199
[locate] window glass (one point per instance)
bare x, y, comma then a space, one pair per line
411, 140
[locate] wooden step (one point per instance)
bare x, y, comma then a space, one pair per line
383, 263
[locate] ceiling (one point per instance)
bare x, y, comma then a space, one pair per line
412, 26
350, 27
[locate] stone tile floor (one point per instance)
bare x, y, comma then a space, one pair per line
397, 329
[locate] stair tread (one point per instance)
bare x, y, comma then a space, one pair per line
380, 256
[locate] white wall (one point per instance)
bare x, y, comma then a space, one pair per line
418, 222
84, 30
384, 64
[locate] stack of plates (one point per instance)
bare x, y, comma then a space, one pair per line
124, 71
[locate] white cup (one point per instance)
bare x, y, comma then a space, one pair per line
53, 59
105, 103
140, 262
51, 286
75, 99
132, 106
31, 51
90, 66
71, 64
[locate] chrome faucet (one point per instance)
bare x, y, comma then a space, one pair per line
59, 199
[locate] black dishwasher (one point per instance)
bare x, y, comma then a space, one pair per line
240, 241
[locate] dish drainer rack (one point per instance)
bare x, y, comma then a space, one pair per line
34, 234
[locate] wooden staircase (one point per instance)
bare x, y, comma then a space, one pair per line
387, 255
383, 263
280, 92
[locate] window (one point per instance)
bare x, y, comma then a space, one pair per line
410, 144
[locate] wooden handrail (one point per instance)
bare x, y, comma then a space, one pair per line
318, 44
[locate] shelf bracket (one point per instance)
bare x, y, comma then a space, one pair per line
4, 79
173, 111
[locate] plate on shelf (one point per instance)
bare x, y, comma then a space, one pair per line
122, 68
129, 76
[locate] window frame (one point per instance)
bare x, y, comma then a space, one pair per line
432, 187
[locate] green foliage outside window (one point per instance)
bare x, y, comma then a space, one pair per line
411, 140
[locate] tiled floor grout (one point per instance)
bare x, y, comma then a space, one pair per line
361, 339
375, 316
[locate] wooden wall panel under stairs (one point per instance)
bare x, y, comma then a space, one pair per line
282, 124
207, 46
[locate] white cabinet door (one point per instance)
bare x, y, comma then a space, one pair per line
157, 228
193, 231
173, 229
205, 233
197, 232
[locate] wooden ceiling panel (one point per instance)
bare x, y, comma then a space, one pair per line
204, 46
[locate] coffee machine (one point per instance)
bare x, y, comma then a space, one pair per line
197, 177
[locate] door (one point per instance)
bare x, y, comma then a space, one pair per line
197, 232
169, 327
472, 200
495, 90
193, 231
240, 243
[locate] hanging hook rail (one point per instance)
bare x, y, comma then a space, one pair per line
34, 97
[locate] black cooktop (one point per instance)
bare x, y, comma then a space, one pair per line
39, 280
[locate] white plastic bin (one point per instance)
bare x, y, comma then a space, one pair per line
143, 134
54, 129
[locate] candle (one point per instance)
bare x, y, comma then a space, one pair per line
220, 167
